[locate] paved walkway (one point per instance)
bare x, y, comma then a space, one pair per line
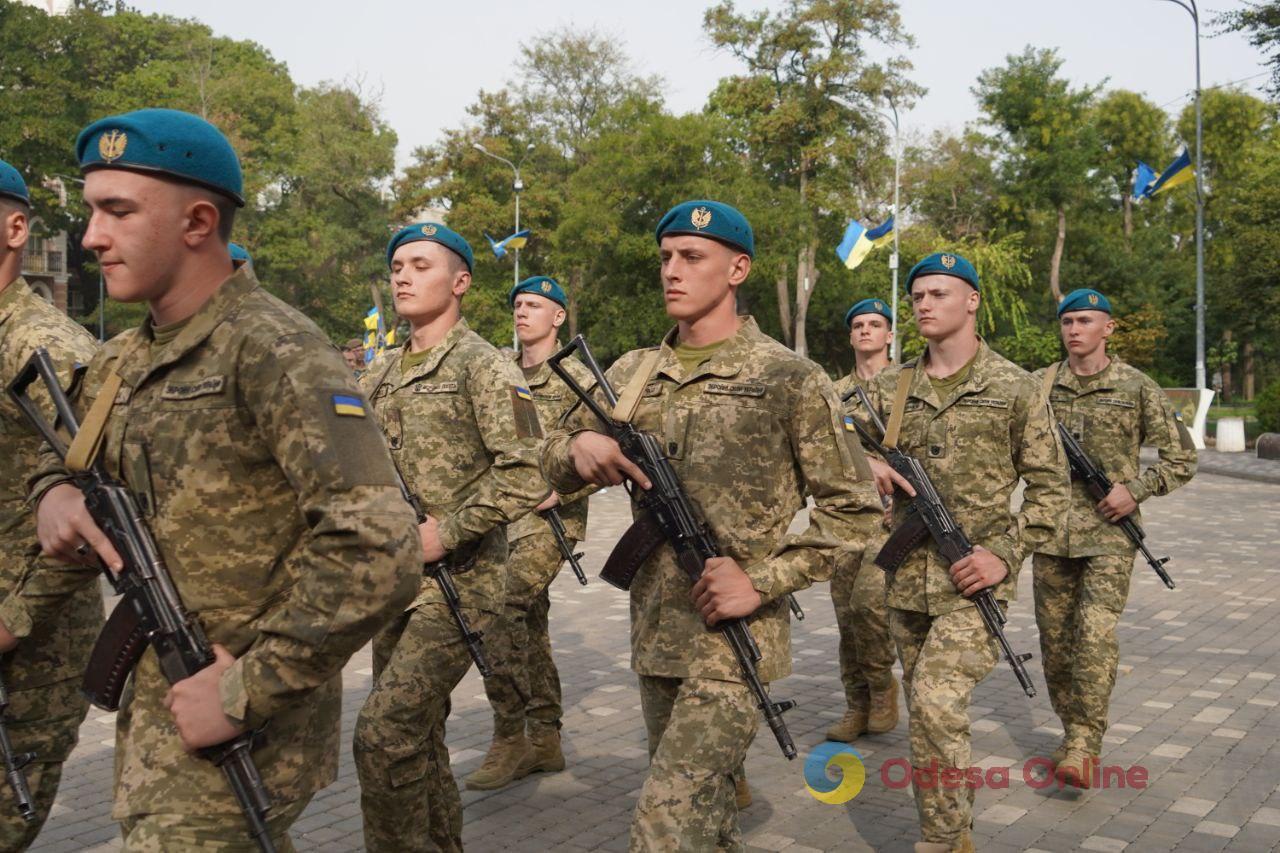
1195, 706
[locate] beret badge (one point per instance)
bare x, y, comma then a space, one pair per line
948, 261
1093, 299
879, 306
111, 145
546, 287
428, 230
701, 218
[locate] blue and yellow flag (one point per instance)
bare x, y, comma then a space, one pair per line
515, 241
376, 337
1143, 177
858, 242
1180, 171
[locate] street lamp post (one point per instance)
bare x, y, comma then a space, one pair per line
517, 186
1194, 12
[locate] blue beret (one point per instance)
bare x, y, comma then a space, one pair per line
1084, 299
943, 263
868, 306
711, 219
12, 185
542, 286
240, 254
432, 232
165, 142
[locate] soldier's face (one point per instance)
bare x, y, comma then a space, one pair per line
1083, 332
138, 228
699, 274
425, 280
869, 333
536, 317
942, 305
354, 358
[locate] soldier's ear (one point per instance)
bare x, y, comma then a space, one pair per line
557, 320
15, 227
739, 268
461, 283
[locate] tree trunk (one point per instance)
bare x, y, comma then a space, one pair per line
806, 281
1128, 221
1247, 368
1227, 389
1055, 264
784, 306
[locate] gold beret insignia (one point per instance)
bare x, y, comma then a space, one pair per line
700, 218
546, 287
428, 230
111, 145
1093, 299
879, 306
948, 261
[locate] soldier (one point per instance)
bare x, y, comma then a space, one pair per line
266, 485
42, 673
353, 355
1082, 576
750, 428
977, 423
465, 433
524, 689
857, 587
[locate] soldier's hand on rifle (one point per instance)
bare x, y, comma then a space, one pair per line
552, 501
724, 591
886, 478
67, 531
599, 460
196, 705
978, 571
429, 533
1118, 503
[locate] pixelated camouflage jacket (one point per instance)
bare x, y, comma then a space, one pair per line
466, 440
552, 399
750, 433
272, 499
58, 647
975, 446
1112, 416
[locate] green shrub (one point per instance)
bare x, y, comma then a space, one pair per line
1268, 407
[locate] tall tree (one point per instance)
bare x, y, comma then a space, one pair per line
1130, 128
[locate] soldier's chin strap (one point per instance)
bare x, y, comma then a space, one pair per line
899, 404
625, 409
88, 441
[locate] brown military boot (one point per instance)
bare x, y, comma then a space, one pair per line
1077, 768
741, 792
851, 726
963, 844
544, 753
500, 766
882, 716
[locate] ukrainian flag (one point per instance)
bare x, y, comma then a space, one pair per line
858, 242
1180, 171
345, 404
523, 393
376, 338
1143, 178
515, 241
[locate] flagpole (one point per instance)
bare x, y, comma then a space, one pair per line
895, 349
517, 186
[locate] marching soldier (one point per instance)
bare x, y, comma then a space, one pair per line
1082, 575
464, 431
265, 483
978, 424
42, 674
750, 428
857, 587
524, 689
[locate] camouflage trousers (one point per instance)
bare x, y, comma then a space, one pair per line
943, 658
44, 721
866, 649
525, 685
699, 730
225, 833
408, 794
1078, 605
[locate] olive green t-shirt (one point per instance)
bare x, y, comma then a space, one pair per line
943, 386
690, 356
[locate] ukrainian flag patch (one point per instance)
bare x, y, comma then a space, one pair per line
345, 404
848, 423
524, 393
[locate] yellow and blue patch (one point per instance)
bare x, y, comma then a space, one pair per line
345, 404
524, 393
848, 424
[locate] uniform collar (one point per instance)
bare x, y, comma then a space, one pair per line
980, 372
542, 376
438, 352
1103, 380
725, 362
13, 295
221, 305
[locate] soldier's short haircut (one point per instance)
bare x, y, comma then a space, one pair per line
226, 215
9, 204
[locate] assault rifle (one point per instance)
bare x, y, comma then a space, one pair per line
13, 764
562, 542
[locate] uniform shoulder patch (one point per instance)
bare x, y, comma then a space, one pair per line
526, 414
347, 405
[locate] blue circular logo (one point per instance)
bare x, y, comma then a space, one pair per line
834, 773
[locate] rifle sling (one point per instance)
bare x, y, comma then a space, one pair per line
625, 409
899, 404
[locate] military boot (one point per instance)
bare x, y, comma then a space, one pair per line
741, 792
501, 765
1077, 768
882, 716
963, 844
544, 752
851, 726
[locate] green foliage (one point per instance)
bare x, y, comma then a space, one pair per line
1268, 407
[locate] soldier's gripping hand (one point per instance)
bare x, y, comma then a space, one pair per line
196, 705
429, 534
67, 531
886, 478
724, 591
1118, 503
599, 460
978, 571
552, 501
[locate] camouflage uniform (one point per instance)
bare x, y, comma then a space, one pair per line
282, 525
857, 592
750, 432
42, 673
466, 442
1082, 575
992, 430
525, 686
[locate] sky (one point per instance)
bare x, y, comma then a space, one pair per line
428, 60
